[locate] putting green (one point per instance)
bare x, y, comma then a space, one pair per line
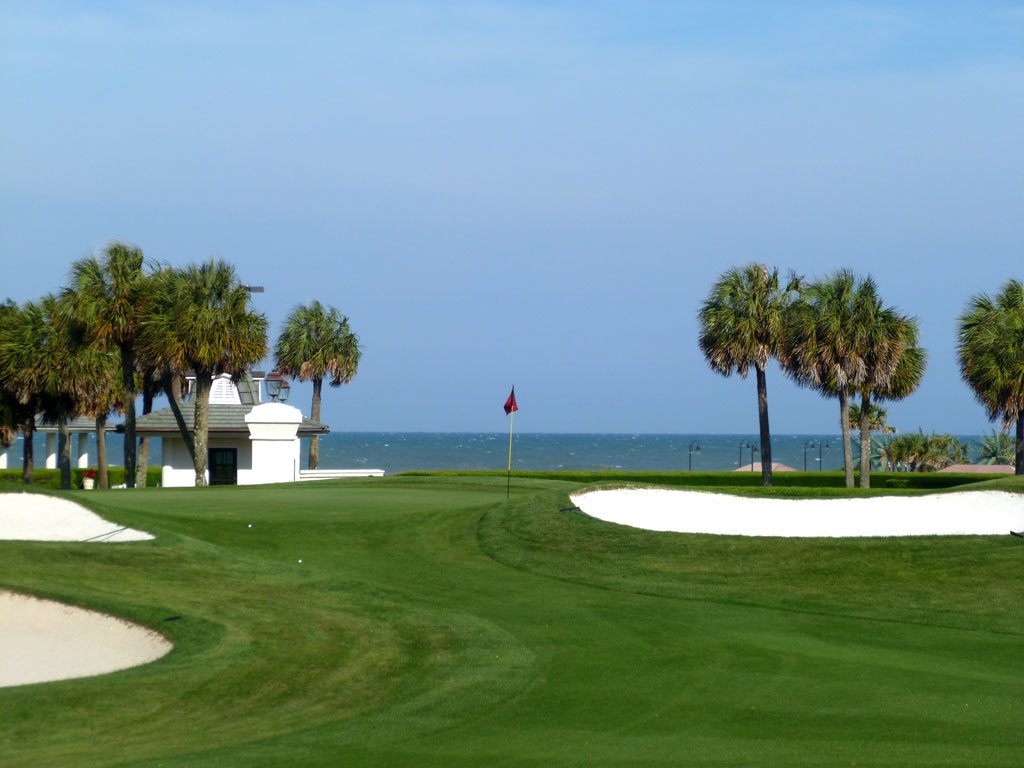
431, 622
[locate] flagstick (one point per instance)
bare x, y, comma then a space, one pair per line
511, 419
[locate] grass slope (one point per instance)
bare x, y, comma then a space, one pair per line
432, 623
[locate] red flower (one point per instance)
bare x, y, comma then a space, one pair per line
91, 473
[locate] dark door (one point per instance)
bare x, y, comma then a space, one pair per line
223, 466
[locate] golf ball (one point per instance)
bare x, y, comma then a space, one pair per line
300, 561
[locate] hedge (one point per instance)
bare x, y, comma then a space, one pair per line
50, 478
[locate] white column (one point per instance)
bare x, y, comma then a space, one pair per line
275, 446
3, 457
51, 450
83, 450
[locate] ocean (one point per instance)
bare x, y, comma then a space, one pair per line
402, 451
399, 451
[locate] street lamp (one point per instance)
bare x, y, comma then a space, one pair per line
826, 444
277, 387
807, 444
753, 449
694, 448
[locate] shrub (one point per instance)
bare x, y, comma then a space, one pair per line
50, 478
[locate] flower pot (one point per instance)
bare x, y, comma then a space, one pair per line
87, 483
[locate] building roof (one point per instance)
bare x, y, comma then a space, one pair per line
756, 467
980, 469
77, 424
248, 391
223, 419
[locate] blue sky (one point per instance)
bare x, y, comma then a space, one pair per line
538, 194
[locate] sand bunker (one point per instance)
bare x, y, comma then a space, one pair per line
37, 517
41, 640
979, 512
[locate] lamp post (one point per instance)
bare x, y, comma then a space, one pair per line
277, 387
821, 444
807, 444
753, 449
694, 448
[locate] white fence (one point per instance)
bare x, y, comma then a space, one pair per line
333, 474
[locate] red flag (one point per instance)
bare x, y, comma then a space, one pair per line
510, 404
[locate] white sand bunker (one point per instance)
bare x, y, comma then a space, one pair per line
41, 640
979, 512
37, 517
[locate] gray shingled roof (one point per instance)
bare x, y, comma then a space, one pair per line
77, 424
248, 392
223, 418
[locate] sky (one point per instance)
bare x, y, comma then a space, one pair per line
538, 194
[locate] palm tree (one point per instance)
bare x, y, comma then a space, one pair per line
941, 450
12, 416
200, 320
316, 343
990, 345
742, 323
927, 453
107, 397
17, 414
996, 448
149, 377
957, 451
158, 365
9, 422
818, 351
900, 450
895, 368
881, 452
840, 340
18, 406
51, 364
108, 295
875, 421
876, 416
22, 381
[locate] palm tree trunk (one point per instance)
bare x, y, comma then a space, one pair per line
1018, 461
64, 453
171, 385
314, 414
201, 398
762, 417
102, 480
143, 461
844, 419
865, 441
128, 380
28, 453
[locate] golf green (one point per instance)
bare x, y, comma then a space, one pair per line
432, 622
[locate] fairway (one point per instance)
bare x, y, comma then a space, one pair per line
425, 621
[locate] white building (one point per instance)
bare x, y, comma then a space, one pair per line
80, 426
249, 442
